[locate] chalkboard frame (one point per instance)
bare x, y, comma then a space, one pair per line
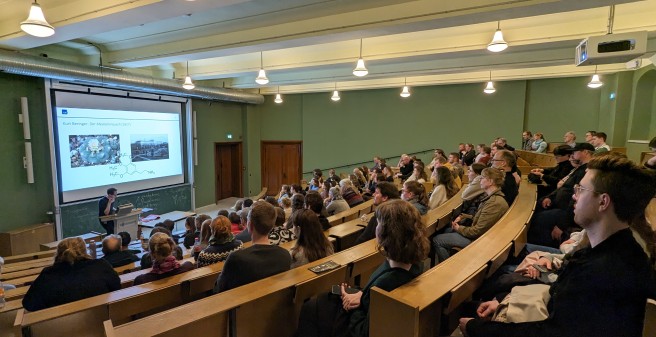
82, 217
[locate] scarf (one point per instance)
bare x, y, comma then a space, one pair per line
165, 266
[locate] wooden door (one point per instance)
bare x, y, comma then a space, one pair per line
281, 164
228, 170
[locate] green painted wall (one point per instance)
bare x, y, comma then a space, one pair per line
361, 125
22, 203
213, 122
558, 105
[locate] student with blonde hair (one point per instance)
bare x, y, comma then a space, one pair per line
161, 248
73, 276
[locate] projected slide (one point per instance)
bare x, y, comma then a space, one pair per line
111, 147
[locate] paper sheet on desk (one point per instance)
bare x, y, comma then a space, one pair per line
150, 218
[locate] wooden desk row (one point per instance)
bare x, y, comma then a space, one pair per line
351, 214
275, 301
416, 308
151, 298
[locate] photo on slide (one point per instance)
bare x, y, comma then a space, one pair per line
94, 150
149, 147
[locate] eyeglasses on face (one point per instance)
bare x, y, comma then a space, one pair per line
578, 188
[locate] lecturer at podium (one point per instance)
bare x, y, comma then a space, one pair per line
106, 206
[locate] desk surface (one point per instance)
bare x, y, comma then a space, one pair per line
174, 216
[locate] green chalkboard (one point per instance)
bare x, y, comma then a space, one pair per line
80, 218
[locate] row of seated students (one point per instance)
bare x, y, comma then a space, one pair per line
346, 300
597, 282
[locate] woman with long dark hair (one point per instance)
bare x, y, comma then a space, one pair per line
311, 243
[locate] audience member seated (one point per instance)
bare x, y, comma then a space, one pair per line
235, 223
527, 140
258, 261
456, 167
474, 188
314, 202
415, 193
285, 191
570, 138
599, 142
469, 156
222, 243
333, 177
384, 192
314, 185
388, 175
554, 214
161, 247
589, 135
504, 144
238, 205
406, 165
336, 203
125, 242
204, 241
418, 175
483, 156
73, 276
612, 278
191, 233
445, 187
286, 205
539, 145
402, 240
112, 253
441, 162
249, 202
489, 212
244, 235
311, 243
146, 259
551, 176
223, 212
349, 193
436, 154
280, 234
505, 161
362, 180
461, 150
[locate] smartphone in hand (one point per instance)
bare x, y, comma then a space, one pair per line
337, 290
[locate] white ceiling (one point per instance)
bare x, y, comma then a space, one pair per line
309, 45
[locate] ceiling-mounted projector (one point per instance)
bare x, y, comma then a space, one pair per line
611, 48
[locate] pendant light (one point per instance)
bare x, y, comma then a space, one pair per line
188, 84
405, 93
498, 43
596, 81
261, 78
489, 89
36, 24
360, 70
278, 98
335, 97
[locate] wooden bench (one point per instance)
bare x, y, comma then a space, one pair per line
221, 313
534, 160
416, 309
10, 260
88, 237
352, 213
275, 301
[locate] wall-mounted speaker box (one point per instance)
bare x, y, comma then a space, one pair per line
26, 239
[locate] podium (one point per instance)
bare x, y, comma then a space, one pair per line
128, 222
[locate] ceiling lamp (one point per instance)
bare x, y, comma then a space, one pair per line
405, 93
36, 24
498, 44
360, 70
188, 84
335, 97
261, 78
489, 88
595, 82
278, 98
